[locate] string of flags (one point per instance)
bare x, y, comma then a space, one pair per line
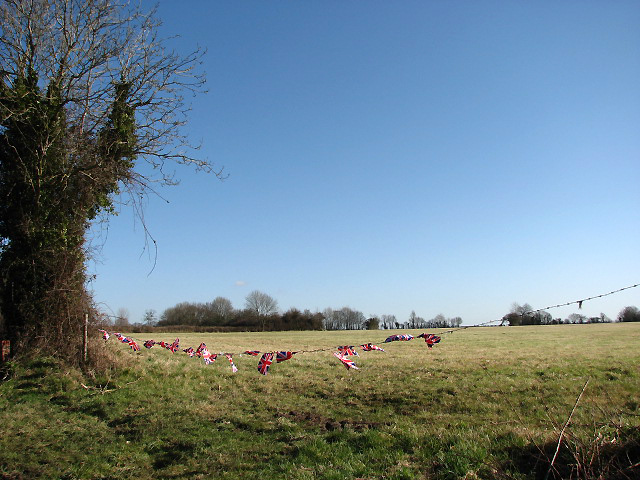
399, 338
343, 353
429, 338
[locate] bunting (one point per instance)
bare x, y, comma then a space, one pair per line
282, 356
265, 363
121, 337
267, 358
347, 362
401, 338
234, 369
430, 339
368, 347
347, 350
189, 351
343, 351
209, 357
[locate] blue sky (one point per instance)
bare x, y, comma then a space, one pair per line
442, 157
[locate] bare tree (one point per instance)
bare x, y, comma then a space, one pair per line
521, 309
90, 48
343, 319
122, 318
150, 317
261, 303
222, 308
455, 322
415, 321
329, 319
577, 318
388, 321
87, 91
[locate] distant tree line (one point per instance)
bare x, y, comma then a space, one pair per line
439, 321
525, 315
260, 313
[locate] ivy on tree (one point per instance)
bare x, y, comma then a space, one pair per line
87, 91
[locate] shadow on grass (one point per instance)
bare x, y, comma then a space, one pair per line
577, 459
171, 453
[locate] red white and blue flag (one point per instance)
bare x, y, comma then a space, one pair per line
189, 351
105, 335
367, 347
149, 343
255, 353
430, 339
347, 362
400, 338
200, 349
134, 346
209, 357
347, 350
265, 363
174, 346
234, 369
282, 356
212, 358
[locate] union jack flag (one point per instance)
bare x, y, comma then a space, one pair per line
348, 363
265, 363
163, 345
125, 340
189, 351
347, 350
430, 339
209, 357
174, 346
282, 356
212, 358
200, 348
105, 334
234, 369
134, 346
255, 353
149, 343
402, 338
367, 347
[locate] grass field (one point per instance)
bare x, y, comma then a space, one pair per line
484, 403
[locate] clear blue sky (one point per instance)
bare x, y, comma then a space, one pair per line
445, 157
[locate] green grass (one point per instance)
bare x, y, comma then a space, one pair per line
484, 403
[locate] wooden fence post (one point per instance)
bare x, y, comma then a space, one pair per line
6, 350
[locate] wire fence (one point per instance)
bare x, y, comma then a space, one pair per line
580, 302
